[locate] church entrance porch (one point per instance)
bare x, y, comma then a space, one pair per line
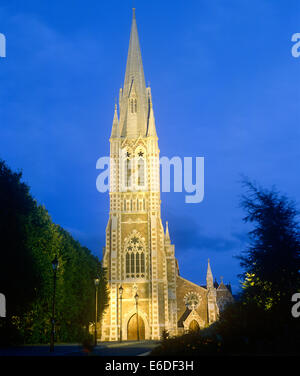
134, 326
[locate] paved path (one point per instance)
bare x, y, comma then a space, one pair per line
128, 348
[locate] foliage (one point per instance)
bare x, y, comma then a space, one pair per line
29, 242
260, 322
189, 344
272, 260
242, 329
17, 266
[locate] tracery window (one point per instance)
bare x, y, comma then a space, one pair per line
135, 259
128, 172
192, 300
141, 172
141, 168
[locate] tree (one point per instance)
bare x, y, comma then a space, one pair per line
272, 260
29, 242
18, 273
260, 321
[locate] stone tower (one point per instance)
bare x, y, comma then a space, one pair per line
138, 254
146, 293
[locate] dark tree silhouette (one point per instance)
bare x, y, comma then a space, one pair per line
260, 321
272, 260
29, 241
18, 274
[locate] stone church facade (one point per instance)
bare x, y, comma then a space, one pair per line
147, 295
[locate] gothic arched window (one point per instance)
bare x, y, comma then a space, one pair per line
141, 168
141, 172
133, 105
135, 258
128, 172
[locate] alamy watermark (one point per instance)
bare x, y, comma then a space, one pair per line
296, 47
2, 45
2, 305
296, 307
129, 173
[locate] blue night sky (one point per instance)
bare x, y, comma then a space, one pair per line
224, 84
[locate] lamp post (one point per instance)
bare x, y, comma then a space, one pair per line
97, 280
120, 294
136, 297
54, 267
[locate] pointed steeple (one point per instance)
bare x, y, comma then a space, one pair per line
151, 131
209, 277
134, 67
167, 235
134, 106
115, 126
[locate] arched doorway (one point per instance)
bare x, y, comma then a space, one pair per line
132, 328
194, 326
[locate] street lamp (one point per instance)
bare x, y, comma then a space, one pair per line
120, 294
54, 267
97, 280
136, 297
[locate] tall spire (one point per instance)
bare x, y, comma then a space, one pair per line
151, 131
167, 235
209, 277
134, 68
134, 103
115, 126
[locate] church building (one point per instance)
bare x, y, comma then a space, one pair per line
147, 294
